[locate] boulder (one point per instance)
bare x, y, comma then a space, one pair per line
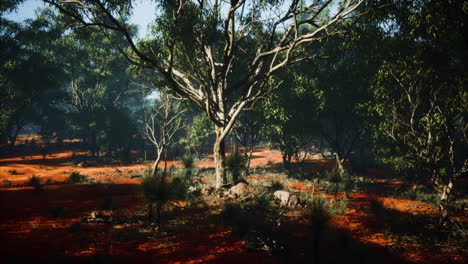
286, 198
239, 190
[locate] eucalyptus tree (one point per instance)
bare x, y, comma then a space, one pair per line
418, 113
30, 77
218, 54
289, 113
162, 126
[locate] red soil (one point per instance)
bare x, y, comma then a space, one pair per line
28, 228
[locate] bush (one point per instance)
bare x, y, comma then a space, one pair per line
235, 165
35, 182
13, 172
318, 211
276, 185
76, 177
7, 183
188, 162
158, 191
340, 182
258, 223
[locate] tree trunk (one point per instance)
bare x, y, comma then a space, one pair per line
444, 191
339, 163
247, 162
219, 158
154, 170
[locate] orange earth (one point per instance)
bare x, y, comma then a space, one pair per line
45, 227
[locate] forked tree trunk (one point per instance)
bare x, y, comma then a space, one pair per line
219, 157
339, 163
444, 191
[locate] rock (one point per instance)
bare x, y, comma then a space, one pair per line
239, 190
83, 164
286, 198
207, 190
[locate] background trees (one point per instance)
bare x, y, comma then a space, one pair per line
418, 119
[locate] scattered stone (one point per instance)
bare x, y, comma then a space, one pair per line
97, 217
286, 198
83, 164
239, 190
207, 190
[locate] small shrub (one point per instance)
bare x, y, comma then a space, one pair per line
76, 177
318, 211
338, 207
235, 165
421, 195
340, 182
7, 183
188, 162
159, 191
13, 172
276, 185
35, 182
257, 222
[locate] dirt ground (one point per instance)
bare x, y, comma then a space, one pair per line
47, 226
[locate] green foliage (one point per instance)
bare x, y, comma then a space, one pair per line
276, 185
235, 165
159, 190
339, 181
200, 132
318, 212
76, 177
188, 161
257, 222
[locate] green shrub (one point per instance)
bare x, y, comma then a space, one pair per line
235, 165
276, 185
158, 191
76, 177
188, 162
7, 183
13, 172
36, 182
318, 211
257, 222
418, 194
340, 182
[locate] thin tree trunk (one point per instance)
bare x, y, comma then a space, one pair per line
339, 163
154, 171
249, 158
444, 191
219, 158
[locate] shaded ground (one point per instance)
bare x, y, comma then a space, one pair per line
47, 226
